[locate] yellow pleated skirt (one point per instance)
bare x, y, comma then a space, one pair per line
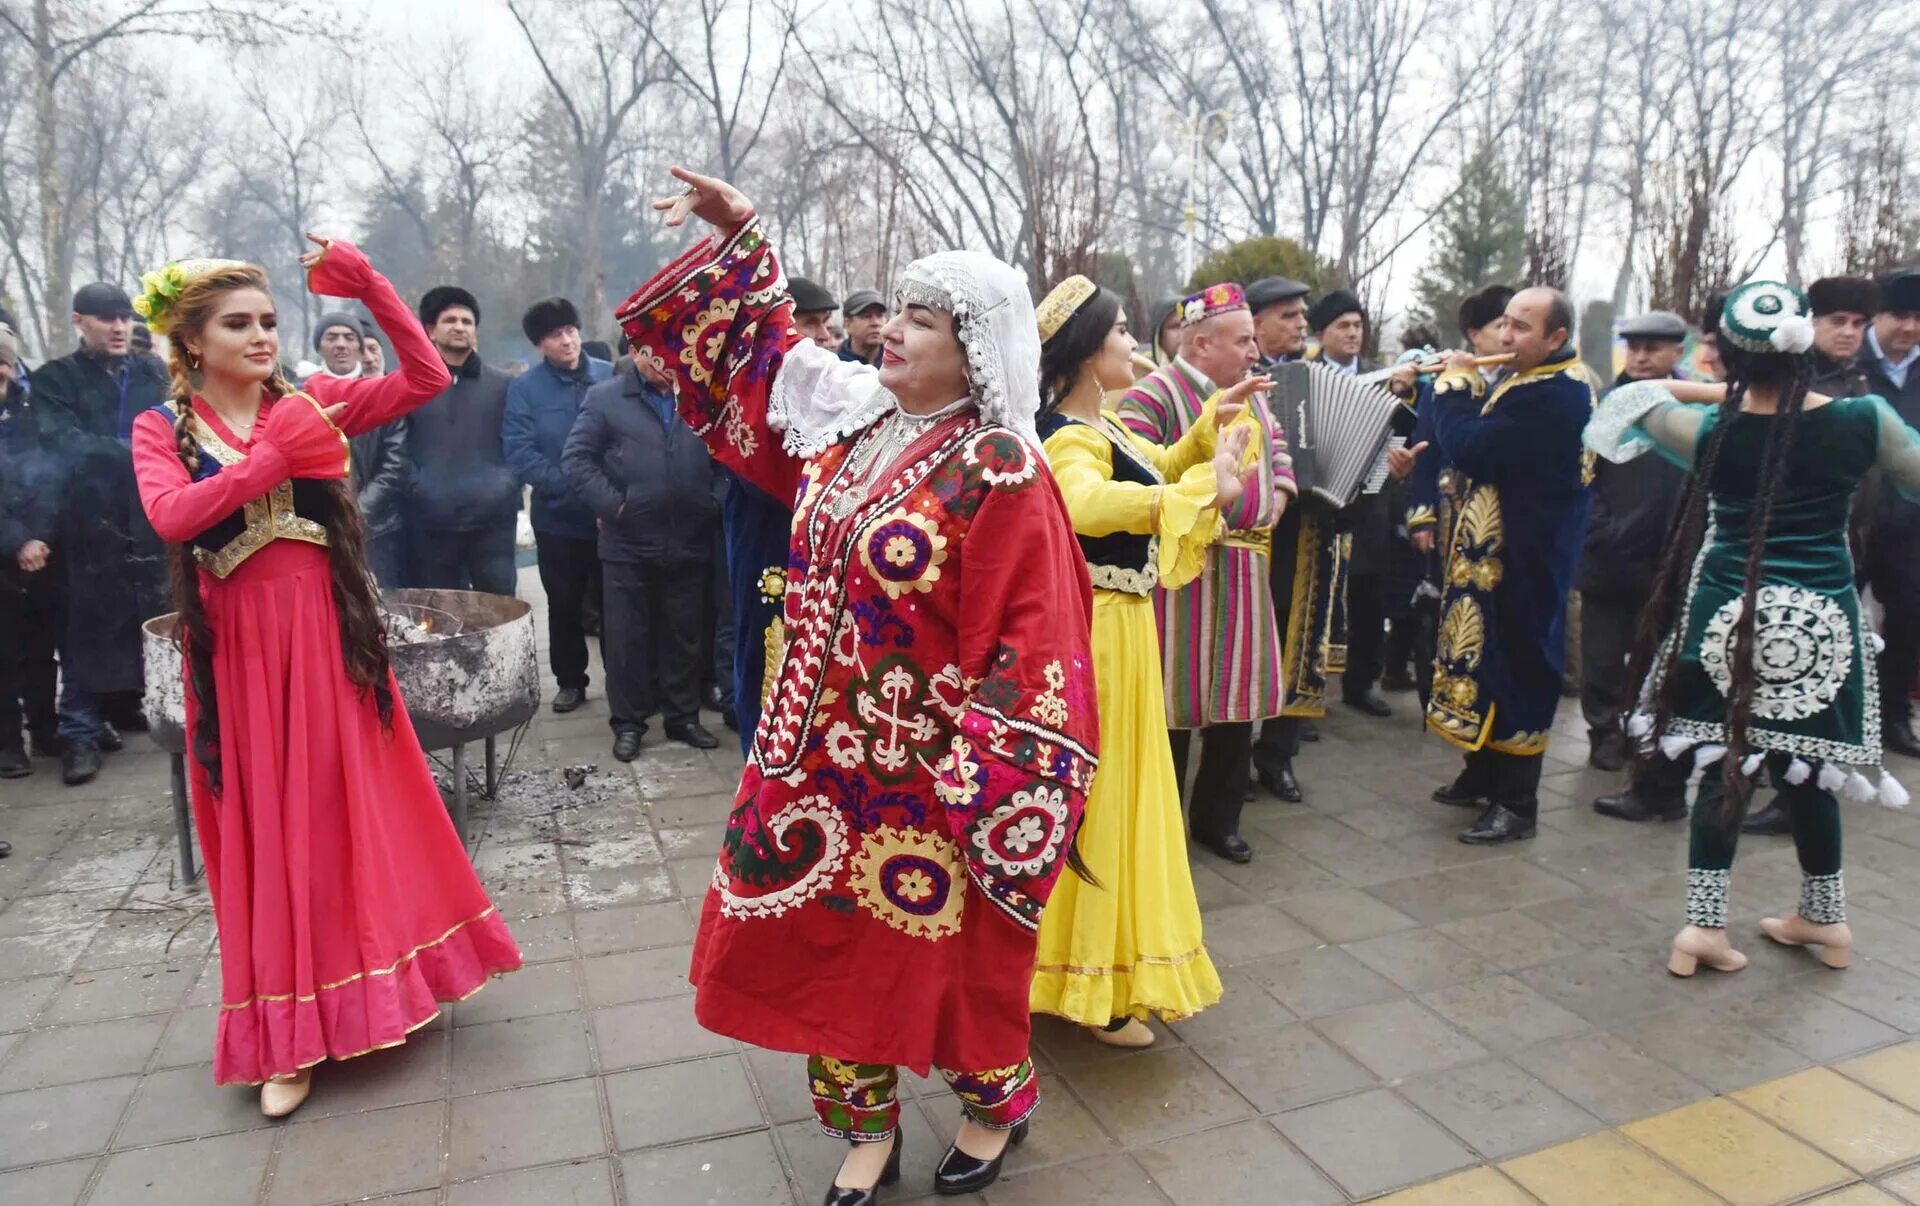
1130, 945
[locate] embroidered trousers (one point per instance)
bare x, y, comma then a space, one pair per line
1816, 838
858, 1102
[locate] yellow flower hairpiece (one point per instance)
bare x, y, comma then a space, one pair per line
1058, 306
162, 287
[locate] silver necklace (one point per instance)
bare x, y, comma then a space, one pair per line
876, 452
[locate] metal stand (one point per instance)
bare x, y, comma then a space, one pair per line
183, 820
493, 767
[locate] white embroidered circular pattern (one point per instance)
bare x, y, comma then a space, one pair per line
1803, 651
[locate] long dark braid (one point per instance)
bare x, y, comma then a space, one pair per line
196, 635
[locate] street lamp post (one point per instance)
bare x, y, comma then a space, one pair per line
1205, 134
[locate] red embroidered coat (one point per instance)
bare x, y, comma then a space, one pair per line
922, 761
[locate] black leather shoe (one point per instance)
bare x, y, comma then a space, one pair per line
960, 1173
1629, 805
1232, 847
566, 699
109, 741
1608, 752
840, 1195
1769, 821
14, 763
626, 744
1460, 797
1896, 737
1309, 731
6, 848
80, 763
1499, 824
1282, 784
693, 733
1369, 701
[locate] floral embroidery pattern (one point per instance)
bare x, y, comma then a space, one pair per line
1002, 458
904, 552
803, 845
1803, 651
911, 880
1048, 707
1023, 836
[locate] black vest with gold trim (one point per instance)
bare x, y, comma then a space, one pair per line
292, 510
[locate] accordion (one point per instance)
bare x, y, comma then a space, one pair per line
1337, 428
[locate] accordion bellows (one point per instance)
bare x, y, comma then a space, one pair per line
1337, 429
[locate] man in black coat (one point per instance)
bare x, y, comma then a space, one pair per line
1892, 362
116, 578
649, 481
379, 456
462, 501
31, 605
1633, 506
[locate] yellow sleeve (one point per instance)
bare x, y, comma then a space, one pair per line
1179, 514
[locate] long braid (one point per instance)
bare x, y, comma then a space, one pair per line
196, 635
1773, 470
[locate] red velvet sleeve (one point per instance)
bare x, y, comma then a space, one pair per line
1015, 783
180, 508
718, 321
371, 401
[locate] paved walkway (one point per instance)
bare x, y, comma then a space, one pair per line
1401, 1010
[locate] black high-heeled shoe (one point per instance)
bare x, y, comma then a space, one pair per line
840, 1195
960, 1173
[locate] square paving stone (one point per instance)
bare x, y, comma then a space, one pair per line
1475, 1187
21, 1000
1283, 1068
1498, 1108
1603, 1170
190, 1038
1878, 990
156, 938
1704, 1043
63, 1054
121, 992
638, 975
1241, 933
1485, 887
47, 1185
52, 952
359, 1155
633, 928
544, 939
1396, 1039
499, 1055
1862, 1194
1418, 960
1110, 1181
652, 1032
1735, 1154
1324, 980
222, 1171
1156, 1095
1344, 915
781, 1077
1602, 922
1861, 1129
1243, 1007
1894, 1071
1510, 940
1503, 1013
1816, 1026
533, 991
183, 1103
39, 1125
1602, 1073
1604, 987
675, 1102
519, 1128
1904, 1185
1245, 1162
582, 1183
1373, 1142
59, 911
411, 1073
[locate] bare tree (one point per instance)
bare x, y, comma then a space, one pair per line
728, 61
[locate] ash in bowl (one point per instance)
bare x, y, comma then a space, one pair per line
417, 624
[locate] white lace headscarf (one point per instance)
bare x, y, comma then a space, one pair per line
819, 399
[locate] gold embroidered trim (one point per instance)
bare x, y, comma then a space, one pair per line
266, 519
1125, 969
384, 971
1125, 580
399, 1042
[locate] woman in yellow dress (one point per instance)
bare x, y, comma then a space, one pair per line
1126, 943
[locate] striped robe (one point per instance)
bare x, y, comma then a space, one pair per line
1219, 645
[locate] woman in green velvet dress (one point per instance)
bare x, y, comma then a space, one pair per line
1756, 645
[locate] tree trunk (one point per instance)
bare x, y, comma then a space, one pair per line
56, 274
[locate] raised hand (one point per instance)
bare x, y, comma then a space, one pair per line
708, 198
1234, 400
311, 259
1229, 480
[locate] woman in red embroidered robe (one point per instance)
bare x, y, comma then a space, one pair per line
919, 771
345, 904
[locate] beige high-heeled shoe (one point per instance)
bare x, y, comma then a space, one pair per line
1835, 941
1696, 944
280, 1097
1133, 1035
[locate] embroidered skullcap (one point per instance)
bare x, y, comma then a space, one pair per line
1059, 305
1212, 300
1768, 316
1843, 294
1272, 290
1332, 307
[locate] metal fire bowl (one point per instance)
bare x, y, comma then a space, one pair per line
483, 681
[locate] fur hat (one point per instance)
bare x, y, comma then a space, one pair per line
329, 321
546, 316
1332, 307
440, 297
1851, 294
1900, 290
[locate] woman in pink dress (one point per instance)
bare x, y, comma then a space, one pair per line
346, 907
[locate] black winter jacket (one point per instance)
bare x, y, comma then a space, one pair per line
649, 483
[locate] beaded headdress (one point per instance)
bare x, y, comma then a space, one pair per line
1061, 304
159, 289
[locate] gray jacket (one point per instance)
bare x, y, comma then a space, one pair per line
649, 483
